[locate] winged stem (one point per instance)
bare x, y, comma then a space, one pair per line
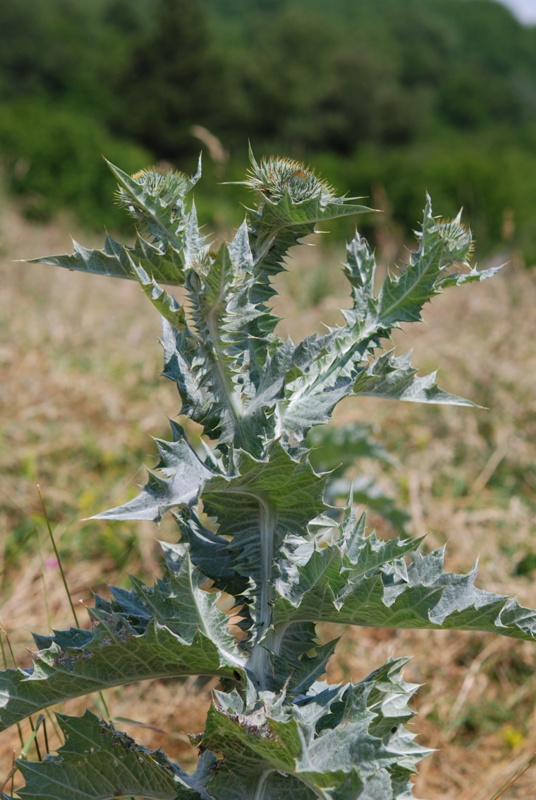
259, 659
277, 730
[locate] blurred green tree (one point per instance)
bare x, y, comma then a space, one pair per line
174, 81
379, 86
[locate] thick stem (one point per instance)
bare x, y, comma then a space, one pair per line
234, 400
259, 660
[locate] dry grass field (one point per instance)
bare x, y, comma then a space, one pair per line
80, 395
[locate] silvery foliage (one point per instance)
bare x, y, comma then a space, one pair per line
254, 522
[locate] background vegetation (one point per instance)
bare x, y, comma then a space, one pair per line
389, 99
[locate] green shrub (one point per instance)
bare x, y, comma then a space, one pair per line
491, 178
52, 159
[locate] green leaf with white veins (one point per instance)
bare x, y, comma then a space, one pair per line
99, 763
360, 580
442, 245
341, 363
393, 378
156, 200
116, 260
339, 743
180, 482
255, 509
174, 629
226, 322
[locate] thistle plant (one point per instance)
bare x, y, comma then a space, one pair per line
253, 521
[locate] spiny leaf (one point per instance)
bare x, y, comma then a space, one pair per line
184, 366
180, 482
172, 630
99, 763
166, 304
442, 245
394, 378
299, 661
327, 368
263, 502
116, 260
155, 199
360, 580
221, 315
221, 367
473, 276
177, 602
196, 248
368, 493
335, 741
114, 655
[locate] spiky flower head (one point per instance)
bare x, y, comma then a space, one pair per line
164, 184
161, 187
276, 177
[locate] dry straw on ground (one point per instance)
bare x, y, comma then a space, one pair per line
80, 394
